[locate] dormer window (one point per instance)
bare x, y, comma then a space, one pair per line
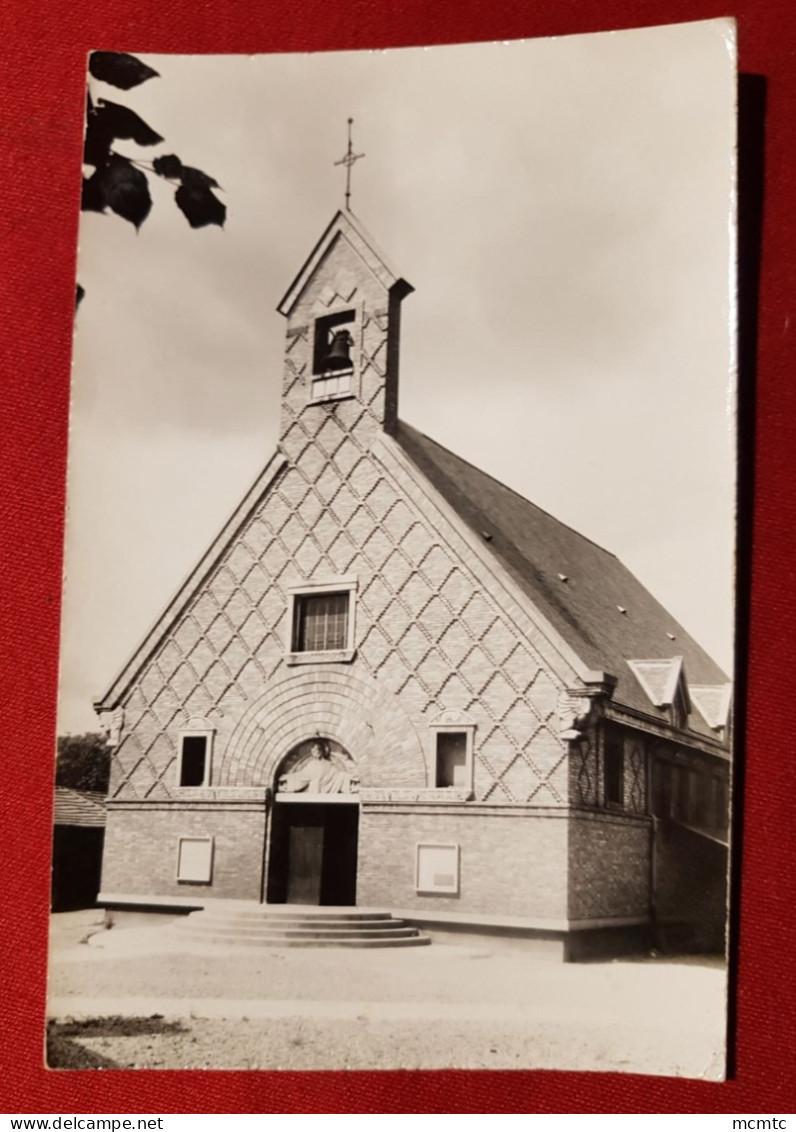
665, 684
332, 356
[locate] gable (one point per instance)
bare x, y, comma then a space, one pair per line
428, 630
713, 703
660, 679
345, 233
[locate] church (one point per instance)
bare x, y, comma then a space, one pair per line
392, 682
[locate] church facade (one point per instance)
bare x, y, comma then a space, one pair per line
394, 682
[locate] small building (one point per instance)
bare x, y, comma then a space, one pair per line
79, 832
392, 681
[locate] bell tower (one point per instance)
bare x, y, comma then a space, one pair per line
342, 341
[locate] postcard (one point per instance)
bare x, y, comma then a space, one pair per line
396, 681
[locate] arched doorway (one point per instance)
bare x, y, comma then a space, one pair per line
314, 826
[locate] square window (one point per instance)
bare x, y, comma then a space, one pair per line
321, 616
320, 622
452, 769
194, 760
452, 753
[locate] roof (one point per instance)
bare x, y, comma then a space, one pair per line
344, 225
599, 608
79, 807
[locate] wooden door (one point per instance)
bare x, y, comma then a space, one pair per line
304, 863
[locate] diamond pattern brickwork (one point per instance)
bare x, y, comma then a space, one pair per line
425, 629
584, 772
635, 774
423, 626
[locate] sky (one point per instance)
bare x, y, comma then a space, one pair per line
564, 211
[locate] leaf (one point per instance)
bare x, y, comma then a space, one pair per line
126, 190
123, 123
195, 178
93, 196
199, 206
168, 166
120, 70
98, 140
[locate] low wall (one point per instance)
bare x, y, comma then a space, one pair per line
141, 845
513, 860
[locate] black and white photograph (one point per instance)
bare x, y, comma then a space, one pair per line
395, 703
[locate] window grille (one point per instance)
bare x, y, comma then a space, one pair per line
321, 622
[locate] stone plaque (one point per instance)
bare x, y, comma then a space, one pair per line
437, 868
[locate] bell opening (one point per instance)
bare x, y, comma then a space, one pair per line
333, 344
339, 355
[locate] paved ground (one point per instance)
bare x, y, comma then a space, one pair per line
138, 997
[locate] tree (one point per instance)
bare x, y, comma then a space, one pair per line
119, 182
83, 762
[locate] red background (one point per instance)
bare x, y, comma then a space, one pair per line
43, 50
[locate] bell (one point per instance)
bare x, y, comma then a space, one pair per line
339, 355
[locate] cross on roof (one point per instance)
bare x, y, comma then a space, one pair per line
348, 160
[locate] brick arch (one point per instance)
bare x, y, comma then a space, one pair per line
351, 709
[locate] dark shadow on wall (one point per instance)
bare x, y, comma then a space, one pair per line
76, 867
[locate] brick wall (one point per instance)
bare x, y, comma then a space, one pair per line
511, 863
609, 866
141, 850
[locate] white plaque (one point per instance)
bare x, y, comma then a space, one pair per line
195, 860
437, 868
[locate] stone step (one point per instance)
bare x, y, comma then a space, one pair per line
303, 932
292, 926
291, 912
297, 926
255, 923
286, 941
